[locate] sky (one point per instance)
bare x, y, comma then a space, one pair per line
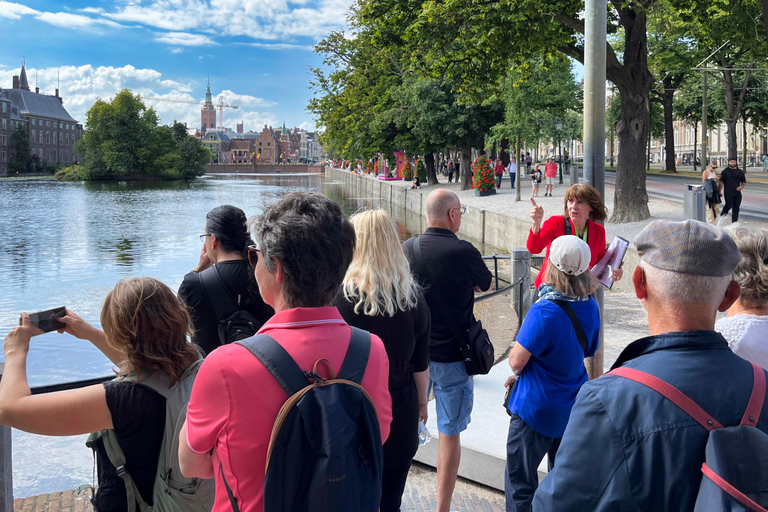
257, 54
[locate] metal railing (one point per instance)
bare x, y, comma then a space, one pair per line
520, 263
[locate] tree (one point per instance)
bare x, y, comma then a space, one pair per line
19, 154
688, 107
193, 158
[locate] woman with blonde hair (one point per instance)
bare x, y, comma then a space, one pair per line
380, 296
747, 322
145, 330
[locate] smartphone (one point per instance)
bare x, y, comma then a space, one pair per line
48, 320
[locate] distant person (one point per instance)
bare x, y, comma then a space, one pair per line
451, 271
380, 295
746, 325
416, 183
498, 170
512, 170
547, 362
583, 211
303, 248
222, 264
626, 446
550, 169
452, 170
712, 187
765, 163
733, 180
535, 175
567, 162
145, 330
528, 161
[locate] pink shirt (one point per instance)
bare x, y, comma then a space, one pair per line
550, 170
235, 400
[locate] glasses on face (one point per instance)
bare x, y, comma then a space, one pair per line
462, 209
253, 255
202, 237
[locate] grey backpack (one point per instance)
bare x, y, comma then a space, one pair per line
172, 491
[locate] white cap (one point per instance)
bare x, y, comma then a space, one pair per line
570, 254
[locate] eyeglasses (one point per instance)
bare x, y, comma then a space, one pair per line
202, 237
253, 255
462, 209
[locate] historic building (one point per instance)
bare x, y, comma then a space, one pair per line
208, 112
219, 144
267, 147
52, 131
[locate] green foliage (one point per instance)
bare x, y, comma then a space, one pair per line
689, 100
20, 153
71, 173
421, 170
483, 179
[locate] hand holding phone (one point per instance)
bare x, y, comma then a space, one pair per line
48, 320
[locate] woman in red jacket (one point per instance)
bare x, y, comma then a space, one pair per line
584, 208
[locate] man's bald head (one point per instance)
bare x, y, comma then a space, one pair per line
442, 210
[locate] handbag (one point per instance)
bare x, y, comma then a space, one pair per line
475, 344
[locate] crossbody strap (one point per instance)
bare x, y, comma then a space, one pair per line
219, 296
568, 230
756, 400
356, 360
575, 321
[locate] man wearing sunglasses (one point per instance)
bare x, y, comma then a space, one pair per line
451, 271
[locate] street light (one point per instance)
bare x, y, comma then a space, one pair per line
558, 129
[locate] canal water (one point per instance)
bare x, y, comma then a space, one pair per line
67, 244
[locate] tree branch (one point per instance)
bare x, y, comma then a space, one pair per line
572, 23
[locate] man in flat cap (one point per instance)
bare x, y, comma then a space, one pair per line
626, 447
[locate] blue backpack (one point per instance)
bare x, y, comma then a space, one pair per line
735, 464
325, 451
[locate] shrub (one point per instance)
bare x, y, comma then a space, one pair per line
407, 171
421, 170
483, 178
72, 173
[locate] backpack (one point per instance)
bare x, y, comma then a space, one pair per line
735, 464
172, 491
235, 323
325, 451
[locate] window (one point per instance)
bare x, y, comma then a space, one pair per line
34, 136
67, 139
48, 139
61, 138
61, 125
4, 125
48, 124
33, 121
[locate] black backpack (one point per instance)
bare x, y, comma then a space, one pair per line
235, 323
325, 451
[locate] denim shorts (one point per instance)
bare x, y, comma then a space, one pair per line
454, 393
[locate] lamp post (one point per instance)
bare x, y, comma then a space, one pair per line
558, 129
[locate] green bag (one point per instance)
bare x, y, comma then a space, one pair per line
172, 492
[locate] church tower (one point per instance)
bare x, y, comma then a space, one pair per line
21, 82
208, 112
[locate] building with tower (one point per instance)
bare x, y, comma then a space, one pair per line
208, 112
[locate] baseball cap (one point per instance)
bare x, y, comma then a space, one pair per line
570, 254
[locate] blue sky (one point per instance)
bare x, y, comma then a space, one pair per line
257, 53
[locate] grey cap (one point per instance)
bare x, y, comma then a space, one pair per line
688, 247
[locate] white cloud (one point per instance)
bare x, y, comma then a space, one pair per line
177, 50
15, 11
184, 39
67, 20
281, 46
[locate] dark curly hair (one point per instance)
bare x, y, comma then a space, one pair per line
313, 241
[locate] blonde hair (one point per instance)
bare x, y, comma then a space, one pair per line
581, 285
146, 321
379, 279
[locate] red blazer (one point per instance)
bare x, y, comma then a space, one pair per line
554, 227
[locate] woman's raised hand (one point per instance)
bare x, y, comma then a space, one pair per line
76, 326
537, 215
17, 341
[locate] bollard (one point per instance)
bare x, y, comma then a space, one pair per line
521, 295
6, 472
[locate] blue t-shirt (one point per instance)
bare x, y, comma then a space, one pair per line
547, 387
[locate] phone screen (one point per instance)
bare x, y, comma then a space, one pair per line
48, 320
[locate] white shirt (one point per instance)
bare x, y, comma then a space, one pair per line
512, 167
747, 335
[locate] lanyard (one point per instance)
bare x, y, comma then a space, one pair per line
586, 229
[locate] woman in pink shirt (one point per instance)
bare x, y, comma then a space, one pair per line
550, 171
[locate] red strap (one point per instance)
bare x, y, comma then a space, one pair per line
734, 492
671, 393
755, 405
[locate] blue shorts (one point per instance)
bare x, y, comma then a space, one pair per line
454, 394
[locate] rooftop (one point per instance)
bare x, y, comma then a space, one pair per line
35, 104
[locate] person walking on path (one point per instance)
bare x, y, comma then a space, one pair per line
452, 171
712, 187
528, 161
535, 175
765, 163
380, 295
550, 170
626, 446
547, 363
451, 270
498, 170
512, 170
733, 180
584, 210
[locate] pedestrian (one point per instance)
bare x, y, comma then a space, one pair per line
222, 268
747, 322
380, 295
535, 175
451, 170
583, 212
626, 446
498, 170
567, 162
547, 362
733, 180
528, 162
712, 187
550, 169
451, 270
304, 245
765, 163
512, 170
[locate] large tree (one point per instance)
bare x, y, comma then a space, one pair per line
688, 107
19, 158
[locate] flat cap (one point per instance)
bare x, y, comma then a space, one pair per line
688, 247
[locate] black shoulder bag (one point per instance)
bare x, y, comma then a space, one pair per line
475, 345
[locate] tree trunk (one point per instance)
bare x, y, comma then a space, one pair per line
429, 159
466, 165
505, 152
669, 130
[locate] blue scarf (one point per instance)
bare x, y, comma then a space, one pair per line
549, 292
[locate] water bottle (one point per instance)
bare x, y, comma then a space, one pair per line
424, 435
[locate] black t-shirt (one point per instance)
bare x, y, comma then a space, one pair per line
235, 276
731, 180
138, 417
456, 267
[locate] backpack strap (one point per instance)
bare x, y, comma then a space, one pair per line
575, 321
278, 361
730, 489
671, 393
568, 230
117, 458
356, 360
755, 404
219, 296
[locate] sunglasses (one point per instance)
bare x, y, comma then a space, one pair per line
253, 255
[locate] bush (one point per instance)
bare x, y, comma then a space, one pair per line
407, 171
421, 170
72, 173
483, 178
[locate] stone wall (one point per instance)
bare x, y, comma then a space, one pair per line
262, 169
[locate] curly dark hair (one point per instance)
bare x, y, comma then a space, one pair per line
314, 243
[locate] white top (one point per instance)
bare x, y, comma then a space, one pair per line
747, 335
712, 175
